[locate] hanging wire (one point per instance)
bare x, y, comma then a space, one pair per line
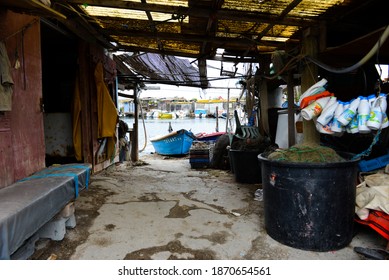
366, 58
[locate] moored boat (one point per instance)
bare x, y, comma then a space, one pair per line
163, 115
209, 136
176, 143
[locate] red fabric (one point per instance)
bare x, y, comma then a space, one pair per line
377, 220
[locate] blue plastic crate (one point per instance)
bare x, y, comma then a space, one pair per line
369, 165
373, 164
198, 160
384, 160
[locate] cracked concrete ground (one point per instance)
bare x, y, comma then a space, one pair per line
163, 209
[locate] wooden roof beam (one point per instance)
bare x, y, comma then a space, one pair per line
284, 13
82, 28
203, 73
222, 14
152, 23
190, 38
183, 54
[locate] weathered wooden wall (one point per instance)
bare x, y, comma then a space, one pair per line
22, 134
22, 147
89, 56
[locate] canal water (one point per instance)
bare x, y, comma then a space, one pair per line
156, 127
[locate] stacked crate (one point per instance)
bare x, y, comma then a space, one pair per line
200, 154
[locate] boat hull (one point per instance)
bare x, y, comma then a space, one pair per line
209, 136
176, 143
166, 116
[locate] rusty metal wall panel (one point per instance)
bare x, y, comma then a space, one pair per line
58, 135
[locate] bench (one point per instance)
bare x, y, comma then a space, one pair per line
29, 204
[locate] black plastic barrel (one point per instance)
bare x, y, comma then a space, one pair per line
310, 206
245, 166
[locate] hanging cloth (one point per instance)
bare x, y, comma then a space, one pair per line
107, 113
6, 81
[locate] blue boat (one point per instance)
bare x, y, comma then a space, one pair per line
176, 143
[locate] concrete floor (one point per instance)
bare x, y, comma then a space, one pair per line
163, 209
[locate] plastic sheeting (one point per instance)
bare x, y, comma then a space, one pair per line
32, 202
165, 69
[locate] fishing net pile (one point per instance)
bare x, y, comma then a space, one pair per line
311, 153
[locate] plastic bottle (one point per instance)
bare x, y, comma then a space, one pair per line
383, 105
258, 195
348, 114
325, 129
353, 125
371, 98
337, 126
309, 99
375, 118
314, 109
346, 106
328, 112
314, 89
363, 115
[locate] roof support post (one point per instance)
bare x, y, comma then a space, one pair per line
263, 94
308, 78
291, 111
203, 73
134, 141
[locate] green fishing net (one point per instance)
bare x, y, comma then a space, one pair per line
306, 153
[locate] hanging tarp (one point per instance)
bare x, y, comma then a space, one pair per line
163, 69
107, 112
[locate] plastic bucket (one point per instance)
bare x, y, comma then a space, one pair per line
310, 206
245, 166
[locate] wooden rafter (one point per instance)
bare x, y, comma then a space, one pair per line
222, 14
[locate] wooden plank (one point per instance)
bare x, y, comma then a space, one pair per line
291, 111
308, 78
6, 159
85, 102
204, 12
135, 138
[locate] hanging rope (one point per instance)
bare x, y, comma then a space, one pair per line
375, 140
144, 126
23, 29
368, 150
